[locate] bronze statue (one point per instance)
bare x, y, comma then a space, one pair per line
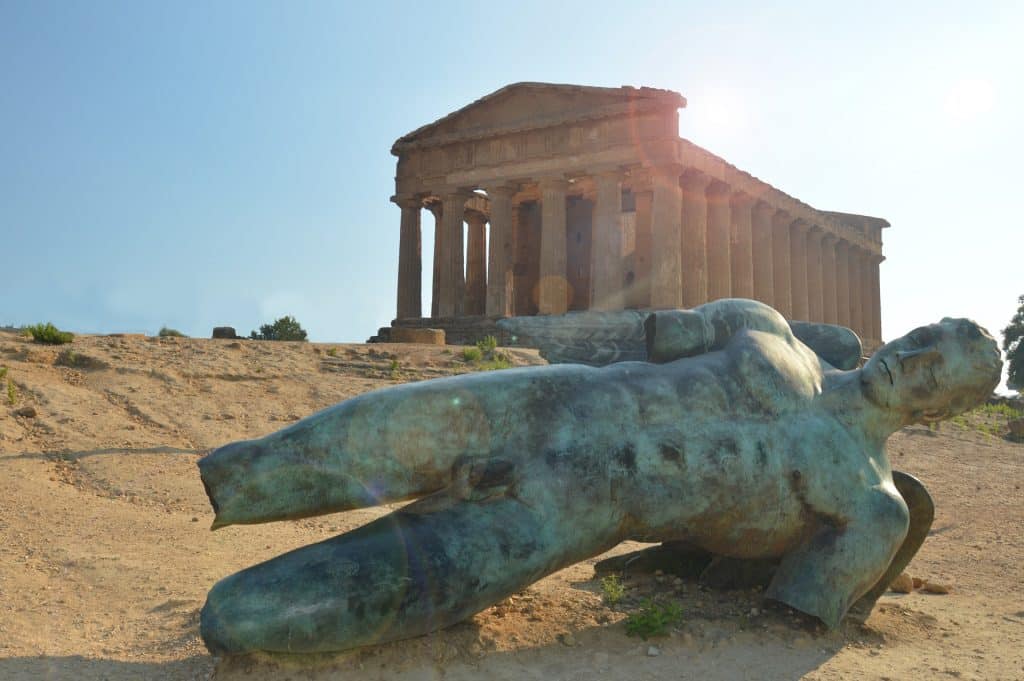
733, 436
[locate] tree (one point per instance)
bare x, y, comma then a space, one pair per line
286, 328
1013, 346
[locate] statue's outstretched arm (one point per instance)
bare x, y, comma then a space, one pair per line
602, 338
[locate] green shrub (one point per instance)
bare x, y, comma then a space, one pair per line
653, 619
612, 590
76, 360
49, 334
1013, 346
286, 328
166, 332
12, 393
487, 344
498, 362
472, 354
332, 352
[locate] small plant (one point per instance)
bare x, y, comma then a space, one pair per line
49, 334
332, 352
472, 354
487, 345
286, 328
393, 367
499, 362
612, 589
653, 619
166, 332
76, 360
12, 393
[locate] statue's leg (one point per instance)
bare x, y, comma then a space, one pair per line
403, 575
386, 446
922, 512
841, 561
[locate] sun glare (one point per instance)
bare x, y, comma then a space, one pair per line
715, 114
969, 99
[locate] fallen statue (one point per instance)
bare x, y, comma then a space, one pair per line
721, 428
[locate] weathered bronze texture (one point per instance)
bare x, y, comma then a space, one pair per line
743, 442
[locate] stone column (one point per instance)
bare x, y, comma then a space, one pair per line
476, 263
815, 296
828, 279
781, 279
694, 239
499, 262
554, 290
761, 236
410, 265
856, 290
641, 297
606, 276
876, 295
453, 277
798, 268
741, 245
719, 241
666, 235
435, 290
843, 283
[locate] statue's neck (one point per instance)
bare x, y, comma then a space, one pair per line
844, 396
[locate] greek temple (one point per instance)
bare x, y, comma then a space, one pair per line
550, 198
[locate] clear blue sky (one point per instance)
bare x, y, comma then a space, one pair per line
198, 164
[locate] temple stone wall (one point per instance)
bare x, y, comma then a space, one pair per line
587, 198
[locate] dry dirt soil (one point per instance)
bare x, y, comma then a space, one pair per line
106, 555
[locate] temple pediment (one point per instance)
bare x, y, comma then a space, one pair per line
525, 106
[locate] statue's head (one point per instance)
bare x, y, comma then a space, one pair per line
935, 371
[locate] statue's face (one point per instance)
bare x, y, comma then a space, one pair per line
934, 371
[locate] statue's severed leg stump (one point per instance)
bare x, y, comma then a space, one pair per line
922, 512
403, 575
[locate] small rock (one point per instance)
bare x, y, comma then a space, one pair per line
754, 612
28, 412
677, 582
903, 584
1016, 429
934, 587
567, 639
918, 582
195, 519
653, 651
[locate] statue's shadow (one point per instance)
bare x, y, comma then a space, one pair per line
30, 668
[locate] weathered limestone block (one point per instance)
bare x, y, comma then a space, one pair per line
426, 336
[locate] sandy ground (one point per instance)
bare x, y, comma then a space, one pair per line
106, 556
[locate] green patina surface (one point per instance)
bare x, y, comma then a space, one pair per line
737, 434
